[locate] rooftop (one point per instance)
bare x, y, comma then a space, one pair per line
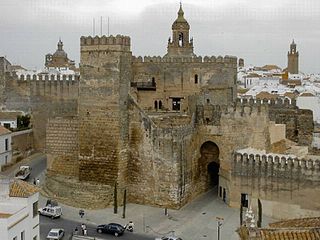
22, 189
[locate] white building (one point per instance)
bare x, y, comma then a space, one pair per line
9, 119
309, 101
19, 219
5, 146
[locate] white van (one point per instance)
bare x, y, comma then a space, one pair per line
51, 211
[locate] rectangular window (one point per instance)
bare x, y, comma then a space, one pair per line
7, 125
220, 192
6, 144
6, 160
35, 209
23, 236
244, 200
176, 104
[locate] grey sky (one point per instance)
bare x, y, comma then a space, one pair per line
258, 31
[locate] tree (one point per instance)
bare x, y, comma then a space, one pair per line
23, 121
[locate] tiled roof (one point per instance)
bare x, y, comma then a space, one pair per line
290, 234
3, 130
9, 115
296, 223
22, 189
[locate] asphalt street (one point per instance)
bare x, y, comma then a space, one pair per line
46, 224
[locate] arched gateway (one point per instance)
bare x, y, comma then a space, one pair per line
209, 162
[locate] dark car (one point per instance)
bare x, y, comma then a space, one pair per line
111, 228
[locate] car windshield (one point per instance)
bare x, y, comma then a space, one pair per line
53, 234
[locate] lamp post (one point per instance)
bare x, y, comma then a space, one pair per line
219, 224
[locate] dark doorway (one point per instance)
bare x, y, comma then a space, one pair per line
213, 171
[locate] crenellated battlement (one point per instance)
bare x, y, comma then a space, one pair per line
245, 163
279, 102
47, 77
104, 40
198, 59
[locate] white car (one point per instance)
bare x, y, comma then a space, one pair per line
51, 211
55, 234
169, 238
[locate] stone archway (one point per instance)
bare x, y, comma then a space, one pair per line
210, 163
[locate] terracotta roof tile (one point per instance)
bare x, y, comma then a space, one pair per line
22, 189
3, 130
299, 222
5, 215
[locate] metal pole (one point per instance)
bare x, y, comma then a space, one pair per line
218, 231
124, 203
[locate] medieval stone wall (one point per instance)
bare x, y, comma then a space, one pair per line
62, 146
43, 99
278, 178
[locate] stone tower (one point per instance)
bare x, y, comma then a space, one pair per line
103, 109
293, 59
180, 44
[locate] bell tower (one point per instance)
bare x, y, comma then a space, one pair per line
293, 59
180, 44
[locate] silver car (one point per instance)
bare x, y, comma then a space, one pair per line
55, 234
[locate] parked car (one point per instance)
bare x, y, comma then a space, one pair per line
23, 173
168, 238
51, 211
111, 228
55, 234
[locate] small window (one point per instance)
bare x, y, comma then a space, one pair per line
35, 209
160, 104
196, 79
15, 238
6, 144
156, 105
153, 81
208, 100
6, 160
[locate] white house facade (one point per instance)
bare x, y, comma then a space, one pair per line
5, 146
19, 219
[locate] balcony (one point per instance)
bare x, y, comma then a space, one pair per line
144, 86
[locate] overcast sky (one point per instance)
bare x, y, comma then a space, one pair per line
256, 30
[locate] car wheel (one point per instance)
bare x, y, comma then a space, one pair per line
116, 234
99, 231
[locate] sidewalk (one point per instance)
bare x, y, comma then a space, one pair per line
196, 220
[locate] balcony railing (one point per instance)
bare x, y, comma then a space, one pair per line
151, 86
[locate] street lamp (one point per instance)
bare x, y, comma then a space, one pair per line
219, 224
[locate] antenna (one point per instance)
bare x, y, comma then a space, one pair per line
93, 27
108, 27
101, 26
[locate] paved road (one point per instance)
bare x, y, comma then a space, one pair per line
47, 223
38, 163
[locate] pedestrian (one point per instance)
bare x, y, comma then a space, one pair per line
76, 232
83, 227
85, 232
130, 226
38, 182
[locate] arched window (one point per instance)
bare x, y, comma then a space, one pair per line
28, 77
46, 77
181, 39
153, 81
70, 77
196, 79
22, 77
156, 105
160, 104
52, 77
34, 77
64, 77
